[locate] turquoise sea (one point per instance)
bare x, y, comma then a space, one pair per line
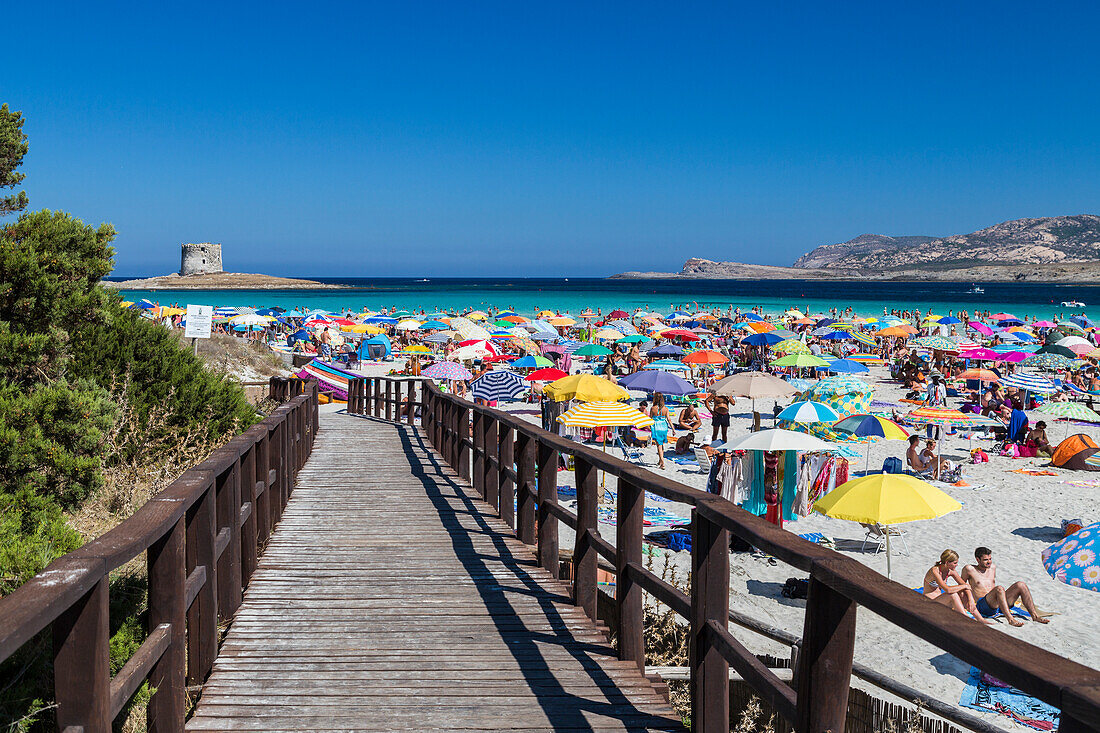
528, 295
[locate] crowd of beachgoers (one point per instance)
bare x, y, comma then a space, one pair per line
992, 411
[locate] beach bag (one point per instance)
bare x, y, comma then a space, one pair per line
952, 473
979, 456
892, 465
795, 588
1011, 451
1069, 526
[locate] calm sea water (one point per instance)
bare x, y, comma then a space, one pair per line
528, 295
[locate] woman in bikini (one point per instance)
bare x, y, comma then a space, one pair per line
957, 595
662, 426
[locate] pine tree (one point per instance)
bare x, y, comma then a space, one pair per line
13, 146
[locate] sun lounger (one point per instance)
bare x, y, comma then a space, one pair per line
877, 533
703, 460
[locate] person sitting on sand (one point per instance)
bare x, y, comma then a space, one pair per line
1037, 439
957, 594
938, 465
982, 577
689, 419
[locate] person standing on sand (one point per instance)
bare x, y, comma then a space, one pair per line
957, 595
719, 406
982, 577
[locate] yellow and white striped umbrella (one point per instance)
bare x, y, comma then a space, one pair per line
604, 414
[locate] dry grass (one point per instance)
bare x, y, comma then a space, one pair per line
242, 359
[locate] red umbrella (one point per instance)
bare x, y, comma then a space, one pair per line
343, 322
546, 374
705, 357
681, 333
618, 314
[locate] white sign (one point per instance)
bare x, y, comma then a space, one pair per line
199, 319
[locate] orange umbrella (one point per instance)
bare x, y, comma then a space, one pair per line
984, 375
760, 327
892, 331
514, 319
704, 357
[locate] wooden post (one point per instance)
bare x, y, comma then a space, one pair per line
202, 616
525, 488
628, 549
81, 663
414, 400
397, 400
710, 593
229, 564
389, 400
353, 396
492, 462
584, 552
247, 470
263, 499
548, 523
376, 396
825, 663
479, 453
168, 605
462, 428
506, 486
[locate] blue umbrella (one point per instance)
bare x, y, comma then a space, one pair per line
381, 319
948, 321
666, 350
658, 381
437, 338
433, 325
844, 366
301, 335
269, 311
498, 384
752, 317
762, 339
835, 336
531, 362
809, 412
143, 304
544, 336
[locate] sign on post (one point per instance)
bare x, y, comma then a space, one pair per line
199, 320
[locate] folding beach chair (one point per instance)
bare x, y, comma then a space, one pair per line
703, 459
877, 533
629, 454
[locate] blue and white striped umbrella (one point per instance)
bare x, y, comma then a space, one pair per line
498, 384
809, 412
1029, 382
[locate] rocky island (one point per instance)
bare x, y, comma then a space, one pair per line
219, 281
1059, 249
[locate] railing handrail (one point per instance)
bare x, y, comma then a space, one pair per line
838, 583
202, 534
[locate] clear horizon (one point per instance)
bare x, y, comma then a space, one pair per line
493, 140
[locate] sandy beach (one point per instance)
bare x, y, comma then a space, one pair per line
1016, 515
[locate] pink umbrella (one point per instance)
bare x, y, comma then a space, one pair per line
981, 328
981, 355
1014, 357
1044, 324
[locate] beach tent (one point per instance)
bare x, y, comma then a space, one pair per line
376, 348
1077, 453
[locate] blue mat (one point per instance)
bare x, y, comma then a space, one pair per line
981, 693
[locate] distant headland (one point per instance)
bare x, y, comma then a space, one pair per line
1059, 249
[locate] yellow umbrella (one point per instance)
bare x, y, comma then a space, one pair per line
791, 346
604, 414
886, 498
608, 333
561, 321
477, 316
586, 388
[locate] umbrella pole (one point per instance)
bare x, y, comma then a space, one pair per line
888, 569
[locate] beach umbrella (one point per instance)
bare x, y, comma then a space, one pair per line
633, 338
982, 375
592, 350
800, 360
865, 425
935, 342
762, 339
939, 416
1069, 411
618, 314
447, 370
841, 384
791, 346
251, 319
948, 321
655, 380
862, 338
980, 355
433, 326
1048, 361
1029, 382
561, 321
408, 324
845, 366
872, 359
667, 365
1073, 559
608, 334
779, 439
498, 384
886, 499
1058, 349
808, 412
666, 350
532, 362
705, 357
835, 336
753, 385
546, 374
892, 331
586, 388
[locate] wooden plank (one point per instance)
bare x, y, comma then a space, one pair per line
390, 597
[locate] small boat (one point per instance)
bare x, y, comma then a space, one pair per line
976, 290
425, 280
1072, 304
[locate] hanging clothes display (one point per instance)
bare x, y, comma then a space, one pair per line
732, 478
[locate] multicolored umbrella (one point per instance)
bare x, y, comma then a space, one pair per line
447, 370
1048, 361
808, 412
1073, 560
532, 362
935, 342
498, 385
1069, 410
941, 416
1029, 383
791, 346
841, 384
872, 359
865, 425
863, 338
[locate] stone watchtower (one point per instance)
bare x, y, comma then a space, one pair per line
201, 259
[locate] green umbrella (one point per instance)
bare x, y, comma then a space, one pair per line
1070, 410
800, 360
592, 350
635, 339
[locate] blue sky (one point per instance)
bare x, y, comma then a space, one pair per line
548, 139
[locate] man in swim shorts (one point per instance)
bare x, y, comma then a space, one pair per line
982, 577
719, 406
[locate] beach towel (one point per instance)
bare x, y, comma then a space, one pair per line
986, 693
1033, 472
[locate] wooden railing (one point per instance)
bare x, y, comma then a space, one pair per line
202, 536
500, 453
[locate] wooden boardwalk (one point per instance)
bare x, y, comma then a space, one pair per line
386, 601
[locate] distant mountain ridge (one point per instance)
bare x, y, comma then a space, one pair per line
1063, 249
1046, 240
